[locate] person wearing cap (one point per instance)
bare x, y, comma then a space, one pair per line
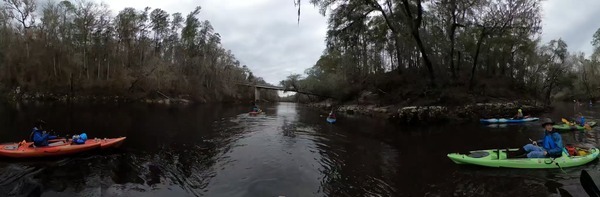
39, 136
549, 146
519, 114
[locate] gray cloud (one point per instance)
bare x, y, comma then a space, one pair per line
573, 21
267, 37
264, 34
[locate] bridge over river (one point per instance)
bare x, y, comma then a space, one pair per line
257, 87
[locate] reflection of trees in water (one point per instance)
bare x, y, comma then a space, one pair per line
480, 181
78, 174
166, 151
352, 162
187, 166
288, 129
17, 180
356, 168
287, 115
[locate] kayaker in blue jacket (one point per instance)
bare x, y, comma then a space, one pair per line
581, 120
550, 146
39, 136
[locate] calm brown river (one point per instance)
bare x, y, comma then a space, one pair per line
218, 150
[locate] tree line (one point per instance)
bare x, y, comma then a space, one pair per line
449, 49
80, 46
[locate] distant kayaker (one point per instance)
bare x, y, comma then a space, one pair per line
551, 144
331, 115
39, 136
519, 114
581, 120
255, 107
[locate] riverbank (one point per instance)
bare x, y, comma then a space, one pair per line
16, 96
159, 98
435, 113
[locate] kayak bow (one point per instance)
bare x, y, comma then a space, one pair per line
566, 127
331, 120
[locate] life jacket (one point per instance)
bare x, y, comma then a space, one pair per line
549, 143
35, 129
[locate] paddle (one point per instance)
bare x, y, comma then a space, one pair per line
566, 121
533, 142
588, 184
552, 159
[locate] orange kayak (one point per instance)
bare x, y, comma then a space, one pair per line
109, 142
253, 113
26, 149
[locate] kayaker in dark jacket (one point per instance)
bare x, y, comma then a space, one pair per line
549, 146
255, 107
39, 136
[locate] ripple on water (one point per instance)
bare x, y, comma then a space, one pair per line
288, 151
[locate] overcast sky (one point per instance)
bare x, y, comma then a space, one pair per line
265, 36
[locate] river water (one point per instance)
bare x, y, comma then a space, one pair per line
219, 150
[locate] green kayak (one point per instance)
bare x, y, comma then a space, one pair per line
497, 158
575, 127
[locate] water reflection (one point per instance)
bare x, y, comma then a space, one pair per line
216, 150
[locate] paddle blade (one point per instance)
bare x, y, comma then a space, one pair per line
588, 184
565, 121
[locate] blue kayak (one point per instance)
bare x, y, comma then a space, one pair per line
505, 120
331, 120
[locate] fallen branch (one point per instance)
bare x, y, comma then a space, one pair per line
163, 95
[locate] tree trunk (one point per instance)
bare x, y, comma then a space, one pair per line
27, 47
141, 55
97, 70
472, 80
452, 33
398, 54
426, 59
458, 64
585, 82
54, 65
451, 58
70, 86
85, 67
549, 93
107, 69
415, 25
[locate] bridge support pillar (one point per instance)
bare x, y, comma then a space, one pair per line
256, 94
